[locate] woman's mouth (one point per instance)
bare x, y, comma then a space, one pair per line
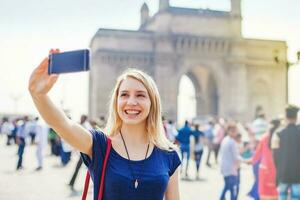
132, 112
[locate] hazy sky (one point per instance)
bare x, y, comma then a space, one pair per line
30, 28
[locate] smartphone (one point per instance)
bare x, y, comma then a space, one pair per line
69, 61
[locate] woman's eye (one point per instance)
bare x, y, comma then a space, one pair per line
123, 95
141, 95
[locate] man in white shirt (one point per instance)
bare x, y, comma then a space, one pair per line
41, 130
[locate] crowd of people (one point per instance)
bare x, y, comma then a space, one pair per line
25, 130
270, 147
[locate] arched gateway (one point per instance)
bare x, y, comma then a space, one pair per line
232, 75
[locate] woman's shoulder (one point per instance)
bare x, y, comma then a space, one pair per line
171, 152
98, 136
98, 149
98, 133
171, 156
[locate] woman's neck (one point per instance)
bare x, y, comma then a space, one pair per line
135, 134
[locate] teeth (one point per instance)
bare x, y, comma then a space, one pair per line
132, 112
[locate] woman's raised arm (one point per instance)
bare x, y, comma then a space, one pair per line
40, 84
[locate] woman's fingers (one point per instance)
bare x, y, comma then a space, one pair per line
40, 81
44, 65
54, 51
39, 71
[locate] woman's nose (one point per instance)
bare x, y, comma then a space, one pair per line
132, 101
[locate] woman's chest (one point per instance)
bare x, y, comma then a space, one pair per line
136, 179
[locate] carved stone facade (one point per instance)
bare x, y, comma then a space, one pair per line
232, 75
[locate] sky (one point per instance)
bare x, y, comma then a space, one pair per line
30, 28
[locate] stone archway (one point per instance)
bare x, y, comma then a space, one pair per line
206, 90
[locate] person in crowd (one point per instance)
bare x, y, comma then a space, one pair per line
65, 152
241, 150
259, 127
267, 171
171, 131
219, 134
198, 148
165, 124
245, 144
101, 122
7, 129
15, 129
183, 138
229, 162
54, 142
95, 124
41, 132
140, 151
22, 134
32, 127
286, 148
209, 134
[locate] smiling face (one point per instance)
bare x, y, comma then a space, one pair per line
133, 102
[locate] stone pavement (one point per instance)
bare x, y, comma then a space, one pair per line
51, 182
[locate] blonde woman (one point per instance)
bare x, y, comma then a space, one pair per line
142, 163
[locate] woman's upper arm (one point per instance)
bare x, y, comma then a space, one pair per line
172, 192
70, 131
77, 136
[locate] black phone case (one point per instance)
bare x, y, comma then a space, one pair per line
69, 61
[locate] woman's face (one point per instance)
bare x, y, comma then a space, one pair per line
133, 102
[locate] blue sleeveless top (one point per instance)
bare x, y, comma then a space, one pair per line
153, 173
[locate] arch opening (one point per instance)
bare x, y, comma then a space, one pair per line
186, 100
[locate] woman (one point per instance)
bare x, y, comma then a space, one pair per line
142, 163
267, 171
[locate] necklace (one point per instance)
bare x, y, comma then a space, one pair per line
136, 182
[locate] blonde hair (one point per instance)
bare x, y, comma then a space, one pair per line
154, 126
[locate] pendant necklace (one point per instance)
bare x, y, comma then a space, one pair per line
136, 181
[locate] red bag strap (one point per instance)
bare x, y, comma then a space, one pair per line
87, 178
100, 194
86, 185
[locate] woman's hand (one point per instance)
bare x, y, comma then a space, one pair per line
40, 81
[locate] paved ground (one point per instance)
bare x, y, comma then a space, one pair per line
51, 182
